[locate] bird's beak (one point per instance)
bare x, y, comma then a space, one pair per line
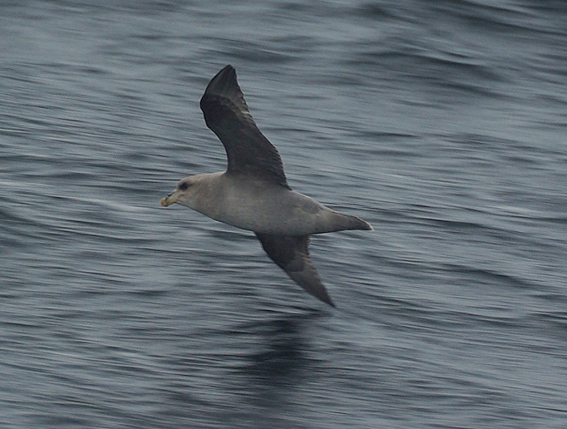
170, 199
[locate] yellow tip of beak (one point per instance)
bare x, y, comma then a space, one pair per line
170, 199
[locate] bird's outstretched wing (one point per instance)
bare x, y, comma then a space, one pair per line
226, 113
292, 255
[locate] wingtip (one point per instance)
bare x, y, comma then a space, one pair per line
320, 292
226, 73
224, 83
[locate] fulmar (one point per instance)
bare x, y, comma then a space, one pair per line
253, 193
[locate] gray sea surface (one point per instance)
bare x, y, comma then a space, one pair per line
443, 124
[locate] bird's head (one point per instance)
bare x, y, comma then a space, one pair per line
183, 192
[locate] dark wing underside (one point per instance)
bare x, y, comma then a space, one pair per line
227, 114
292, 255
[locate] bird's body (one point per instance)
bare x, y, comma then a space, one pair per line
260, 206
253, 193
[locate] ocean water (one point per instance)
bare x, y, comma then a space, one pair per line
443, 124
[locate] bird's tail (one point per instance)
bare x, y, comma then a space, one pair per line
342, 222
354, 222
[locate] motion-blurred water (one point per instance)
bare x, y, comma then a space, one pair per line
441, 123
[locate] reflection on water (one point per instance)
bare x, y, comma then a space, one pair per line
284, 357
272, 375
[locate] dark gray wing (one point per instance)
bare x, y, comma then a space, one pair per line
292, 255
227, 114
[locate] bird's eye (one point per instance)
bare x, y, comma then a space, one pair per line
183, 186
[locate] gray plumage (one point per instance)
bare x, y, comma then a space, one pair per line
253, 193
